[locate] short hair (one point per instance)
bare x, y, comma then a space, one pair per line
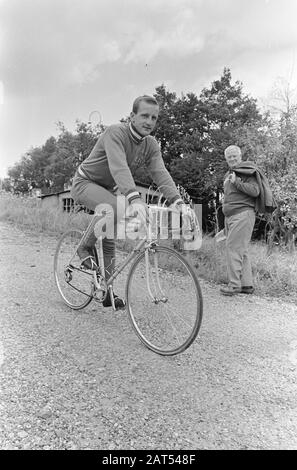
232, 149
146, 98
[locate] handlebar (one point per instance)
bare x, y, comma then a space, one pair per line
183, 225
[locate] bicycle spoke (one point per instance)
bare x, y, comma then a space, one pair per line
166, 316
73, 282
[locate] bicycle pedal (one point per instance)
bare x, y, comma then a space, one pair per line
87, 268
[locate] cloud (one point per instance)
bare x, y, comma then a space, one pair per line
1, 93
61, 59
50, 44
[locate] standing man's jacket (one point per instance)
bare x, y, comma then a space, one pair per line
265, 201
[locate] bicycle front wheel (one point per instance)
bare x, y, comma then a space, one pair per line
164, 300
73, 282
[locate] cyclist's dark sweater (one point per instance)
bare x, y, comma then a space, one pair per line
116, 156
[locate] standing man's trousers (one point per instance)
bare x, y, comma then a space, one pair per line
239, 229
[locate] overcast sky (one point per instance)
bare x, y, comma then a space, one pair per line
60, 60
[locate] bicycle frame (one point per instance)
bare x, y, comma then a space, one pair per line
143, 245
157, 279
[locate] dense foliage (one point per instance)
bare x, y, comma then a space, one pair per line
53, 165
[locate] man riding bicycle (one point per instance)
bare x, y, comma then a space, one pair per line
120, 150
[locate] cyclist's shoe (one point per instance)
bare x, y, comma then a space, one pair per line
86, 256
118, 302
247, 290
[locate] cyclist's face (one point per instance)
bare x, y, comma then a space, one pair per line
145, 119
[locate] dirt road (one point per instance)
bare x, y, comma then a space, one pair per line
82, 380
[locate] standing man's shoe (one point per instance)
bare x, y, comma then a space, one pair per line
230, 290
247, 290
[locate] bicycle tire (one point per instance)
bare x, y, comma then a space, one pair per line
73, 283
180, 285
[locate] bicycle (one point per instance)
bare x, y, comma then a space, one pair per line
163, 295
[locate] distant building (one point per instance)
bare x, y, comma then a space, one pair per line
63, 201
59, 200
67, 186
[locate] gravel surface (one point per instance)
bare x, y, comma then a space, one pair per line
83, 380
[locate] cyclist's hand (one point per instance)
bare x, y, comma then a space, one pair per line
138, 208
179, 206
185, 212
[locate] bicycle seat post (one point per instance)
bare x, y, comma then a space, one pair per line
101, 257
110, 288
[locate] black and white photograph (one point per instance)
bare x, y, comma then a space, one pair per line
148, 228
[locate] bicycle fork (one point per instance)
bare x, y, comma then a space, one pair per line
162, 297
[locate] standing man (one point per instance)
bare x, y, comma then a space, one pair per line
241, 190
118, 153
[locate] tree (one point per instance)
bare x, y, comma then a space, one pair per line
39, 160
232, 118
279, 159
6, 185
194, 131
53, 164
18, 176
180, 125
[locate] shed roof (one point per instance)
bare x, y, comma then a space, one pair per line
54, 194
143, 185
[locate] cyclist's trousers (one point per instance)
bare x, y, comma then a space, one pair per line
91, 195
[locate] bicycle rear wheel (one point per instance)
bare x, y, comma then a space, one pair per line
74, 283
164, 300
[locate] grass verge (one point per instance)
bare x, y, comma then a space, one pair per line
29, 213
275, 275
